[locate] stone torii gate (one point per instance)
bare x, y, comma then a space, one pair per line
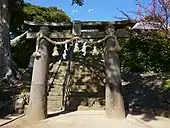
107, 31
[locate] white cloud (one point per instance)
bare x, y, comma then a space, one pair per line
74, 11
91, 9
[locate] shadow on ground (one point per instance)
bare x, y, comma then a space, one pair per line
144, 94
58, 113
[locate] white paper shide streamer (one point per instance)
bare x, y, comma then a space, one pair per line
84, 48
65, 51
76, 49
55, 51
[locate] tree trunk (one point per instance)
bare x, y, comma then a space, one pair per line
114, 100
38, 96
5, 50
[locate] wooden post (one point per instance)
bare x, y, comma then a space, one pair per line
114, 100
37, 109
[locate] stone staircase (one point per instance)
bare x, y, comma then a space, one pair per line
83, 92
54, 102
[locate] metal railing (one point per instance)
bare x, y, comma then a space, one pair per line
66, 84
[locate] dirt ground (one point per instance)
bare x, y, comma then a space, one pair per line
90, 119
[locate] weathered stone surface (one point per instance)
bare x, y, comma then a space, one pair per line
25, 109
57, 88
20, 111
54, 106
19, 104
54, 98
55, 93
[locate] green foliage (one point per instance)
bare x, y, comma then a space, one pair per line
20, 11
44, 14
167, 84
145, 52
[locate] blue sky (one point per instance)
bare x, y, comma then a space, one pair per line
102, 9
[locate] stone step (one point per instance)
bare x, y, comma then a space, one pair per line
59, 85
56, 88
54, 109
55, 81
59, 76
95, 107
50, 105
61, 72
54, 102
50, 108
54, 106
58, 81
54, 98
78, 95
55, 93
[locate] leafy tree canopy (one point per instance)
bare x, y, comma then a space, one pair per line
20, 11
44, 14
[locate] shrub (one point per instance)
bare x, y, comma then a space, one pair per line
145, 52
